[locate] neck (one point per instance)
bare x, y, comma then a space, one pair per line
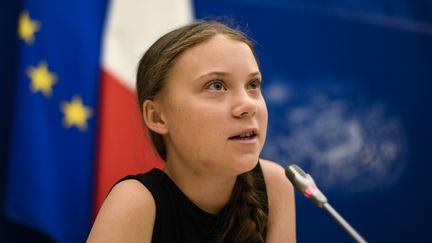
209, 192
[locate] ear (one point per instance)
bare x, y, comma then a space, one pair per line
153, 117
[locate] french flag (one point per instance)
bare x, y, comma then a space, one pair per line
131, 28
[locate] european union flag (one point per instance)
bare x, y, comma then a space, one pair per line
52, 149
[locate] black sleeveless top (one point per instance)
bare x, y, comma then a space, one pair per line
177, 218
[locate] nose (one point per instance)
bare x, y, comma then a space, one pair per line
244, 105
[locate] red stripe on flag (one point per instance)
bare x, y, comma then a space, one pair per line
123, 144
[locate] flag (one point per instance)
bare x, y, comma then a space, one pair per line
75, 115
132, 26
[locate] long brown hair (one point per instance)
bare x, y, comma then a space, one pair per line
247, 219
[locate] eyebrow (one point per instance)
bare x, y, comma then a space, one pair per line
218, 73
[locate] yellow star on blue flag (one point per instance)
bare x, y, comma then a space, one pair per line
27, 27
41, 78
76, 113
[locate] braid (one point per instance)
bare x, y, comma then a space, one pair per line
248, 210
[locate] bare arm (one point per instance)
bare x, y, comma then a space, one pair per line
281, 225
127, 215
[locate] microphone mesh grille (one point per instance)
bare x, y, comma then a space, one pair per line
292, 170
299, 170
289, 172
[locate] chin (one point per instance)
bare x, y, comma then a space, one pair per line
246, 165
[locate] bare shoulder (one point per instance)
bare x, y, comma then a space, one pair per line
127, 215
276, 181
281, 226
272, 169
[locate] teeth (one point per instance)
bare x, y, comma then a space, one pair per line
248, 134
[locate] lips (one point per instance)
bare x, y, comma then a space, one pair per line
245, 135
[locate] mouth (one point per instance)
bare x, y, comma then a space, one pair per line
247, 135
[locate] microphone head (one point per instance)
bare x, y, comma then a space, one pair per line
305, 184
292, 170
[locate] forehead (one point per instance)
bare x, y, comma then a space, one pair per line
219, 53
218, 44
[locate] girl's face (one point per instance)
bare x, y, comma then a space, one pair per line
213, 108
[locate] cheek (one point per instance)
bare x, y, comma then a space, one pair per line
262, 107
264, 113
196, 133
193, 124
263, 119
179, 121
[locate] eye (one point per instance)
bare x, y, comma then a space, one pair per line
254, 84
216, 85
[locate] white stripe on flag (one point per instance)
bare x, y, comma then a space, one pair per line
133, 25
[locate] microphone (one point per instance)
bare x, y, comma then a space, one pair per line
305, 184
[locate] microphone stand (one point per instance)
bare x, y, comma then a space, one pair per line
343, 223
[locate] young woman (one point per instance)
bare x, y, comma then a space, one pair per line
199, 88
